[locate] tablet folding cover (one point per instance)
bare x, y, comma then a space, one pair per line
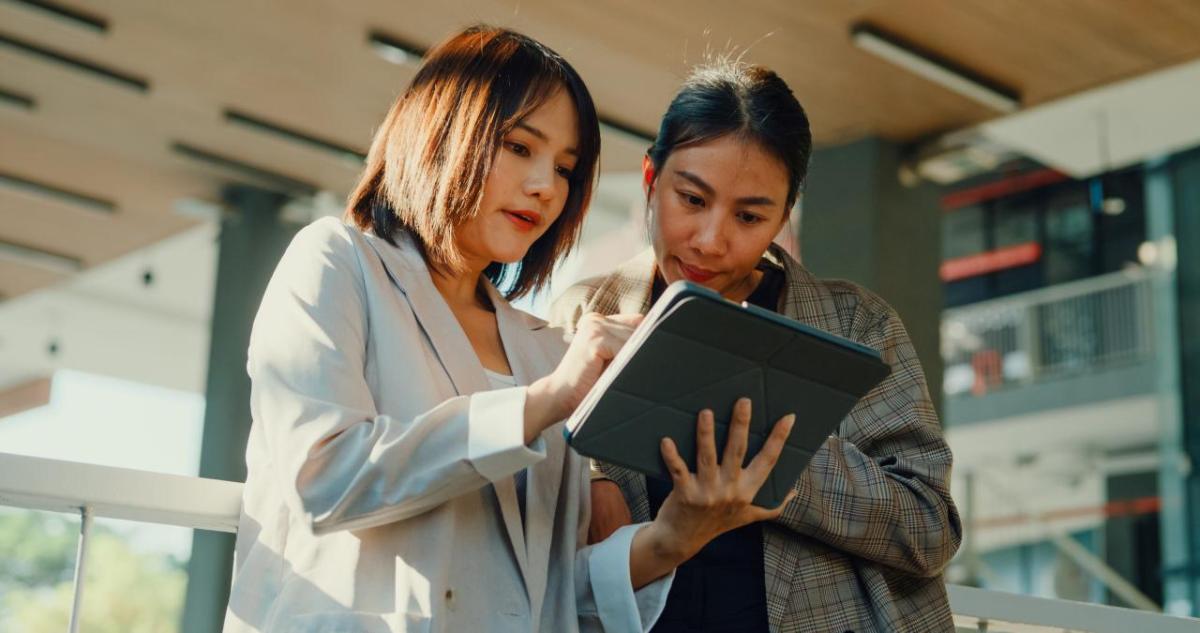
704, 353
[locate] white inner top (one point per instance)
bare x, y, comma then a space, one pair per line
500, 381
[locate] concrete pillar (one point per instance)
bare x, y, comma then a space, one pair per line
253, 237
859, 223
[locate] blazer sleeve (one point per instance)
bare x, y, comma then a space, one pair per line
880, 489
339, 462
604, 596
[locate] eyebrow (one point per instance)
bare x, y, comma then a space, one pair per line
708, 190
542, 135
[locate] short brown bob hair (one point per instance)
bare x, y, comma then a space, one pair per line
429, 160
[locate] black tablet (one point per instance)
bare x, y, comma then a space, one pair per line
696, 350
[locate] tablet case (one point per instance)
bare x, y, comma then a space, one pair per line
696, 350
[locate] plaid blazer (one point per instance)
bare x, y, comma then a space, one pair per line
863, 544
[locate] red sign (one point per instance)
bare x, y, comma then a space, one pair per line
991, 261
1001, 188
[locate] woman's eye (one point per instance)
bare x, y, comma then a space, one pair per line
518, 148
691, 200
749, 218
565, 172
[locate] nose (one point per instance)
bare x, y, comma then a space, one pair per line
709, 238
539, 182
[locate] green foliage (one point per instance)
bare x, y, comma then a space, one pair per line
36, 549
126, 591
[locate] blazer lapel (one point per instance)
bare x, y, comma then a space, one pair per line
805, 298
447, 338
453, 350
506, 493
530, 360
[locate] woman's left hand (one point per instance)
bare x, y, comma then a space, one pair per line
718, 496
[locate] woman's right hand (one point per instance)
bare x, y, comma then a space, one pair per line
597, 340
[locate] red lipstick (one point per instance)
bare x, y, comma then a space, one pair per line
523, 219
693, 273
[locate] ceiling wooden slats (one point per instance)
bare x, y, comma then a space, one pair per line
306, 65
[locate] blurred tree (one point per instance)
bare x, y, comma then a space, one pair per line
36, 549
126, 592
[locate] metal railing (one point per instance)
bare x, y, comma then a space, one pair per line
93, 491
208, 504
1060, 330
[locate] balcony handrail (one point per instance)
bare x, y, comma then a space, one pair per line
1053, 293
40, 483
1055, 615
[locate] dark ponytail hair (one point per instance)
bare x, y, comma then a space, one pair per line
751, 102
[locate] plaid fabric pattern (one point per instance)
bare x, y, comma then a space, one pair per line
863, 544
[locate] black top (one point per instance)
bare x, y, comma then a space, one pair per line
723, 588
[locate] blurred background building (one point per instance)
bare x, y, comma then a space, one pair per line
1020, 179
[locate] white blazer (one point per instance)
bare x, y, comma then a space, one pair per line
380, 492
